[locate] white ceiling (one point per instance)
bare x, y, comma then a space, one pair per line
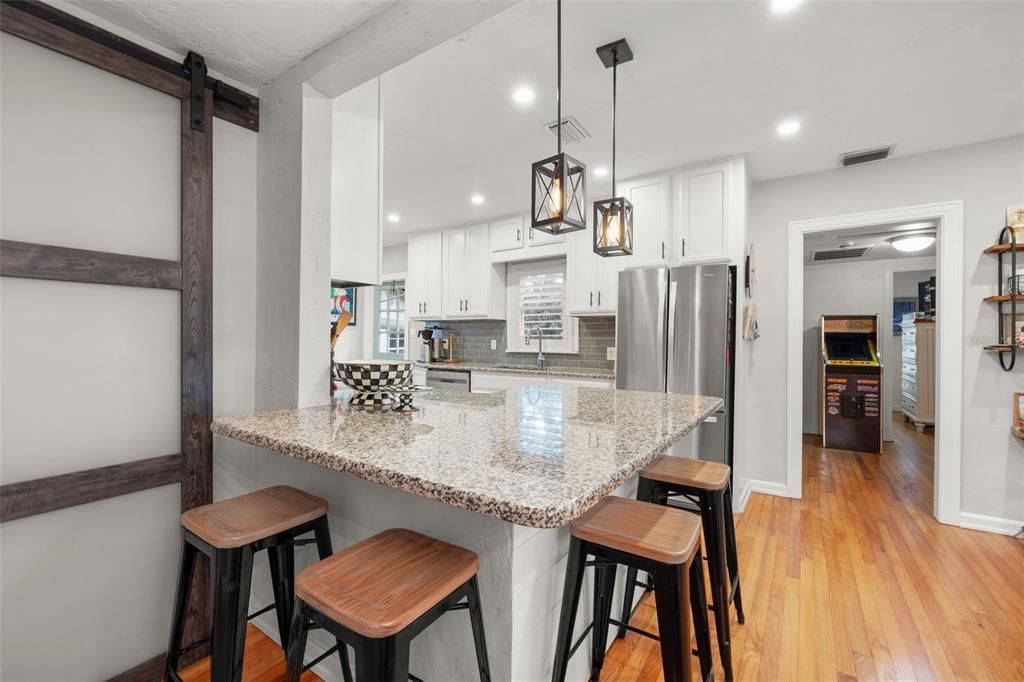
875, 236
249, 41
710, 79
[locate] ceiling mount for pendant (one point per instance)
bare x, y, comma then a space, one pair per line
558, 183
613, 218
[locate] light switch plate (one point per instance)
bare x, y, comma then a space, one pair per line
494, 344
611, 353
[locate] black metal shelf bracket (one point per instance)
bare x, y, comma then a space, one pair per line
1008, 236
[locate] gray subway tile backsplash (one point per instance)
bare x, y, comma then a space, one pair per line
473, 344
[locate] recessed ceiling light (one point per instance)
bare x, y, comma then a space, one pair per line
911, 243
394, 217
601, 171
784, 6
788, 128
477, 199
524, 95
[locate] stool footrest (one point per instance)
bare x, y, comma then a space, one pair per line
261, 611
583, 636
635, 629
319, 658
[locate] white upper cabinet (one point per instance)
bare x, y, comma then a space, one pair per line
541, 238
356, 172
651, 198
507, 234
593, 280
473, 287
423, 284
709, 212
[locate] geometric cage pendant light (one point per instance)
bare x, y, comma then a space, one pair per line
558, 192
613, 218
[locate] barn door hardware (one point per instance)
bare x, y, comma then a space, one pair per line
196, 67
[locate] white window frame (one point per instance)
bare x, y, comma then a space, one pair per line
514, 335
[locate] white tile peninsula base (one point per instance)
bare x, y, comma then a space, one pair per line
521, 570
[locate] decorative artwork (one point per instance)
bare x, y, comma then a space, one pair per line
1013, 330
1018, 414
343, 300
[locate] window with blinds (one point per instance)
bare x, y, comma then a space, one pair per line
537, 301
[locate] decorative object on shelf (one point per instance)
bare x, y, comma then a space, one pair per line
1014, 285
342, 301
749, 274
558, 183
1015, 220
613, 218
1008, 322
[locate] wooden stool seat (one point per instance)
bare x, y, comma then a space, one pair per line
690, 473
379, 586
245, 519
656, 532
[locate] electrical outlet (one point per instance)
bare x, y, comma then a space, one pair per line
611, 353
494, 344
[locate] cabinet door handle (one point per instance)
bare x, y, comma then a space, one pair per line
591, 298
663, 250
519, 235
531, 234
599, 299
460, 305
683, 248
467, 305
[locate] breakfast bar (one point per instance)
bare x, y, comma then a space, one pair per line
501, 474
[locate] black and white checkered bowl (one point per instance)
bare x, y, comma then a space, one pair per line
375, 376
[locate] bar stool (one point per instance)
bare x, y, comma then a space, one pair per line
230, 532
706, 484
378, 594
663, 541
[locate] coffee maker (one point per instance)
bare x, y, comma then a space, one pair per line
437, 345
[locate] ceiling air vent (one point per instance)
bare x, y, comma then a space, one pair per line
839, 254
865, 156
572, 131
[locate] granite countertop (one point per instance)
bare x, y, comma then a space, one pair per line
537, 456
573, 372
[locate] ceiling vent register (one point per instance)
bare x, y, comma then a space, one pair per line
572, 131
839, 254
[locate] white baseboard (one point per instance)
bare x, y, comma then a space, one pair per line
742, 497
769, 488
991, 524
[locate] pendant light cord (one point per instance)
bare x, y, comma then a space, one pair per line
615, 79
558, 88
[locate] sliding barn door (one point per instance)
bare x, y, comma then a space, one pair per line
105, 361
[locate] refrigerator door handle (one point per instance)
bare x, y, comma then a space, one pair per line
672, 295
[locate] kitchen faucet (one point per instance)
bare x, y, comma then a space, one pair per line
540, 344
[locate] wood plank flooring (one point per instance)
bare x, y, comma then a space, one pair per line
858, 581
264, 662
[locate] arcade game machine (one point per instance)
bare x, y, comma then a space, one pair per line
851, 383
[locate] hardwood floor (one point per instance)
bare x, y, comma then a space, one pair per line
858, 581
264, 662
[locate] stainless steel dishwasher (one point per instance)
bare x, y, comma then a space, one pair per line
449, 379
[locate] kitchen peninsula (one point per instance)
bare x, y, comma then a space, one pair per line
512, 469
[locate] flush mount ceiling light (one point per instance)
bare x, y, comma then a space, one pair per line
600, 171
613, 218
558, 183
476, 199
788, 128
394, 217
785, 6
524, 95
910, 243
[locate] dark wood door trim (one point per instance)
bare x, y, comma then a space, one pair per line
48, 27
42, 261
41, 495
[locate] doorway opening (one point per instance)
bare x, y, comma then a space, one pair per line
860, 297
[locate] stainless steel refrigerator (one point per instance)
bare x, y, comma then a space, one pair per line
675, 332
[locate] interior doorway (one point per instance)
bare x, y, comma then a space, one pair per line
877, 283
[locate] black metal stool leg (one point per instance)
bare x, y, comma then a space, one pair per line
713, 518
570, 603
232, 576
297, 635
185, 567
324, 548
476, 617
670, 599
382, 660
699, 613
645, 492
604, 585
282, 578
730, 553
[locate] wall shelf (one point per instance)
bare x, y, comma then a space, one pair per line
1006, 348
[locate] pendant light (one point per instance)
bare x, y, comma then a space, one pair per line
613, 218
558, 184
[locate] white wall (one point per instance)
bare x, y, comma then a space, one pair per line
986, 177
855, 288
395, 259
